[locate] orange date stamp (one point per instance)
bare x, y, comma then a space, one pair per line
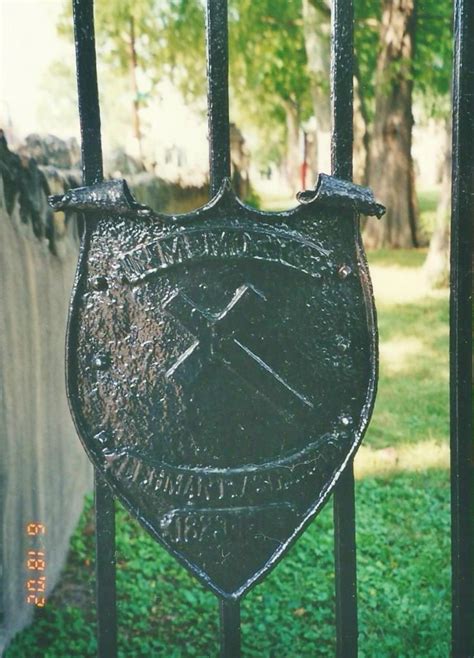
35, 583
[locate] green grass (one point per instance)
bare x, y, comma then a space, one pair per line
399, 258
411, 404
402, 531
427, 202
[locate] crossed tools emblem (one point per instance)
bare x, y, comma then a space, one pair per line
216, 340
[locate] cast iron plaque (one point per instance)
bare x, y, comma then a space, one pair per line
222, 367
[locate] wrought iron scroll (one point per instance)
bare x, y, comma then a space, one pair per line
342, 66
462, 221
92, 172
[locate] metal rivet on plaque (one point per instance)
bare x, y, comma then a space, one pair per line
344, 271
101, 361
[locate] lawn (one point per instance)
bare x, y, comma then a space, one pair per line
402, 529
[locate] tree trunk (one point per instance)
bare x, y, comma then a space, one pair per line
137, 133
361, 130
391, 171
436, 265
293, 156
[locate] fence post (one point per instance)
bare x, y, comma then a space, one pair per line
342, 46
462, 220
217, 50
89, 113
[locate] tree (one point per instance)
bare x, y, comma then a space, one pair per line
433, 75
124, 31
426, 70
391, 172
269, 83
279, 77
269, 74
367, 20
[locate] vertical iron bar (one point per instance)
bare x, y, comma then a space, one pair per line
92, 171
462, 219
346, 567
230, 628
105, 569
342, 66
217, 48
218, 92
88, 94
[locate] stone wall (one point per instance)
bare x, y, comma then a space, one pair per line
166, 197
44, 472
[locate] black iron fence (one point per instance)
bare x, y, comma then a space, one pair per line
462, 464
462, 221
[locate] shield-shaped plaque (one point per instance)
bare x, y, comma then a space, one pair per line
222, 366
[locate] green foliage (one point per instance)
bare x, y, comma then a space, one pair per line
118, 22
115, 23
268, 69
403, 566
433, 56
403, 526
428, 200
268, 59
268, 65
403, 576
367, 17
431, 66
268, 72
179, 46
253, 199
